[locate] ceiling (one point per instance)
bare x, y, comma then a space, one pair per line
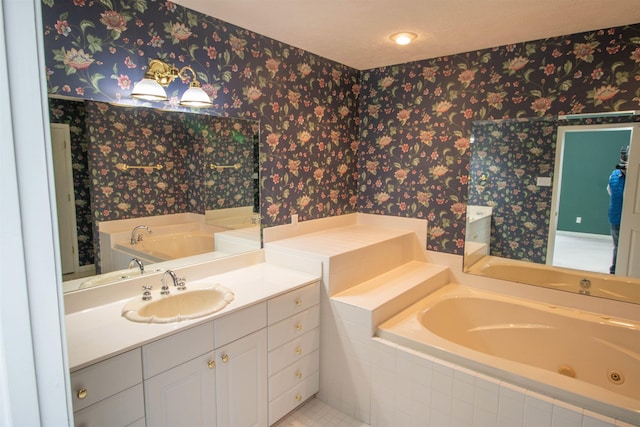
356, 32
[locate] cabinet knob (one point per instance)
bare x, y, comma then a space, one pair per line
82, 393
298, 326
212, 364
298, 397
298, 302
298, 350
298, 374
225, 358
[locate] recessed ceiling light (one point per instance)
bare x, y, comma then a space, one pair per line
403, 38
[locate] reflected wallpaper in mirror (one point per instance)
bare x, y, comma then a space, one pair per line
507, 159
107, 139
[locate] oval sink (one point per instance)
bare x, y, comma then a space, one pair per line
176, 307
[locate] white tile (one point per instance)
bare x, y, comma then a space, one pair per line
464, 387
440, 403
420, 416
487, 395
439, 418
537, 412
510, 407
461, 413
383, 355
566, 416
442, 379
591, 419
482, 418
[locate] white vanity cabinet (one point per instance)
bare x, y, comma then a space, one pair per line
293, 342
109, 393
223, 385
241, 368
229, 371
179, 379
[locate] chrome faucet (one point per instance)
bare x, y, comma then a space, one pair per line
138, 262
178, 282
138, 237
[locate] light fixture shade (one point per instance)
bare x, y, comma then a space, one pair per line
149, 90
195, 97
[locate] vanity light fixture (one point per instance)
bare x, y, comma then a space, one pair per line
160, 75
403, 38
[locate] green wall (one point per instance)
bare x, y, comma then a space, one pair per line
589, 158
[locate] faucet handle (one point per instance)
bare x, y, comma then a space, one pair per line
146, 294
182, 283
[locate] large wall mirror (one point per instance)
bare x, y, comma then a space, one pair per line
538, 196
139, 188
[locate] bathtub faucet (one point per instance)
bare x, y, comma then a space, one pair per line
138, 262
585, 284
135, 238
178, 282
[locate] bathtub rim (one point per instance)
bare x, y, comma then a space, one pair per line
534, 379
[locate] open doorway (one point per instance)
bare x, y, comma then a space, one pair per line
579, 232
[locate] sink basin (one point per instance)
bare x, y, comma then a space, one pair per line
180, 305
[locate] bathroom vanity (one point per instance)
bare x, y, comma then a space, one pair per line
248, 364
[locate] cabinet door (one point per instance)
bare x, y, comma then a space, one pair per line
183, 396
241, 382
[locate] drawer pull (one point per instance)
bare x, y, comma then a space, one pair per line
298, 397
225, 358
298, 350
212, 364
298, 326
298, 302
82, 393
298, 374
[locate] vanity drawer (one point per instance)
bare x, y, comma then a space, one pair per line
293, 375
294, 397
176, 349
121, 409
106, 378
294, 326
240, 324
294, 350
293, 302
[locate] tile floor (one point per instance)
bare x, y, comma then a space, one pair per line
316, 413
583, 253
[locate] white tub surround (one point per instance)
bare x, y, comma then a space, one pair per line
529, 344
355, 249
387, 384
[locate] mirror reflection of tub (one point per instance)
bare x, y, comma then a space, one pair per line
599, 284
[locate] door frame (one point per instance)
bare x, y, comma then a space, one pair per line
557, 182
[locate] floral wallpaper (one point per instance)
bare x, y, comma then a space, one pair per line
307, 105
392, 140
73, 114
177, 152
507, 157
416, 119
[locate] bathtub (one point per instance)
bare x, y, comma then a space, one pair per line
158, 248
602, 285
577, 357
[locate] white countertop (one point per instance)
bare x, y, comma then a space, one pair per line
101, 332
